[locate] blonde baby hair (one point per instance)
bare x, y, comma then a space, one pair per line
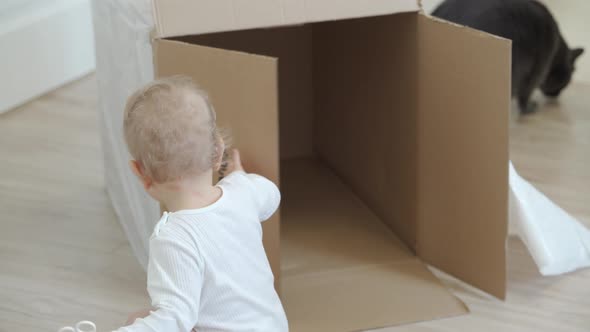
169, 127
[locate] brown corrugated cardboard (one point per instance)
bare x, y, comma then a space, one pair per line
369, 136
387, 134
463, 152
192, 17
342, 268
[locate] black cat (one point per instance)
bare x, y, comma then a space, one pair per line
540, 56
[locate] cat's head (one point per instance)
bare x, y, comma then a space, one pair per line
561, 72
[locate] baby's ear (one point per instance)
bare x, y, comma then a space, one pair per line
138, 170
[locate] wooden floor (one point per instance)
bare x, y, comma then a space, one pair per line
63, 256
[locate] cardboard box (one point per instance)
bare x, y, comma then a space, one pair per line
387, 132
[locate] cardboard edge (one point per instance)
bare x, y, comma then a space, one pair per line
462, 303
480, 33
167, 40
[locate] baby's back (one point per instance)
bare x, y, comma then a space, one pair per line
237, 288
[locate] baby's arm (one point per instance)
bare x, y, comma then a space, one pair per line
265, 193
138, 314
174, 284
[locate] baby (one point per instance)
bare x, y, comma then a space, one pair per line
207, 268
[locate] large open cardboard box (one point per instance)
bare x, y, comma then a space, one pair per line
387, 132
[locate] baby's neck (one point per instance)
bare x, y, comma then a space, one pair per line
188, 194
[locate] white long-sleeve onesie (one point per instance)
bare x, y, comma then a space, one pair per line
208, 269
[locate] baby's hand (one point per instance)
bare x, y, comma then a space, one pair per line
235, 164
138, 314
230, 165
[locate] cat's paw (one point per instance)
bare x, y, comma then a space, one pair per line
531, 107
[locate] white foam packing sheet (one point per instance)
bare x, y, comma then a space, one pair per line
557, 242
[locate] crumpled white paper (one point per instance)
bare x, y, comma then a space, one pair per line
557, 242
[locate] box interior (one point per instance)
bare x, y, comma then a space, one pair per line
336, 96
358, 122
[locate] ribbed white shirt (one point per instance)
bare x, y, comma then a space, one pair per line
207, 267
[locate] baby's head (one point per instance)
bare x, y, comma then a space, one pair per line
169, 127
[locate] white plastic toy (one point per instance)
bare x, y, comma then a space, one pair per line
83, 326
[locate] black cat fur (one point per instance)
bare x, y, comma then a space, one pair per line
540, 56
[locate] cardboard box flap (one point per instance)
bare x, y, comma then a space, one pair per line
252, 109
190, 17
464, 104
366, 298
343, 269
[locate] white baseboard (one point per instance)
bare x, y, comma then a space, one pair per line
43, 45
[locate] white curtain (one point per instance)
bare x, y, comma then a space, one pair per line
124, 63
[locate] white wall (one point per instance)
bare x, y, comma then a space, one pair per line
43, 45
573, 19
429, 5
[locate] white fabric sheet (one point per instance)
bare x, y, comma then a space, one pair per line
124, 63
